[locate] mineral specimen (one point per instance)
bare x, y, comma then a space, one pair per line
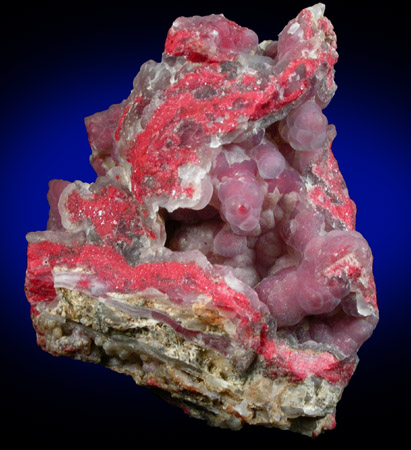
215, 258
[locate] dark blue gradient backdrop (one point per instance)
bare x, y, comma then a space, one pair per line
61, 64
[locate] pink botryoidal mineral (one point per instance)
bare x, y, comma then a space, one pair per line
215, 257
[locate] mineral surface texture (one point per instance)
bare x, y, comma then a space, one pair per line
215, 258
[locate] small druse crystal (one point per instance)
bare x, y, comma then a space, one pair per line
215, 257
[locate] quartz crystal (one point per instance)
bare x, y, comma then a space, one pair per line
215, 258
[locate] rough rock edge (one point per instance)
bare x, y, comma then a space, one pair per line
202, 381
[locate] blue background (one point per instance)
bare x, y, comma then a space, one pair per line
61, 64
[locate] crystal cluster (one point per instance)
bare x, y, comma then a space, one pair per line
215, 257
